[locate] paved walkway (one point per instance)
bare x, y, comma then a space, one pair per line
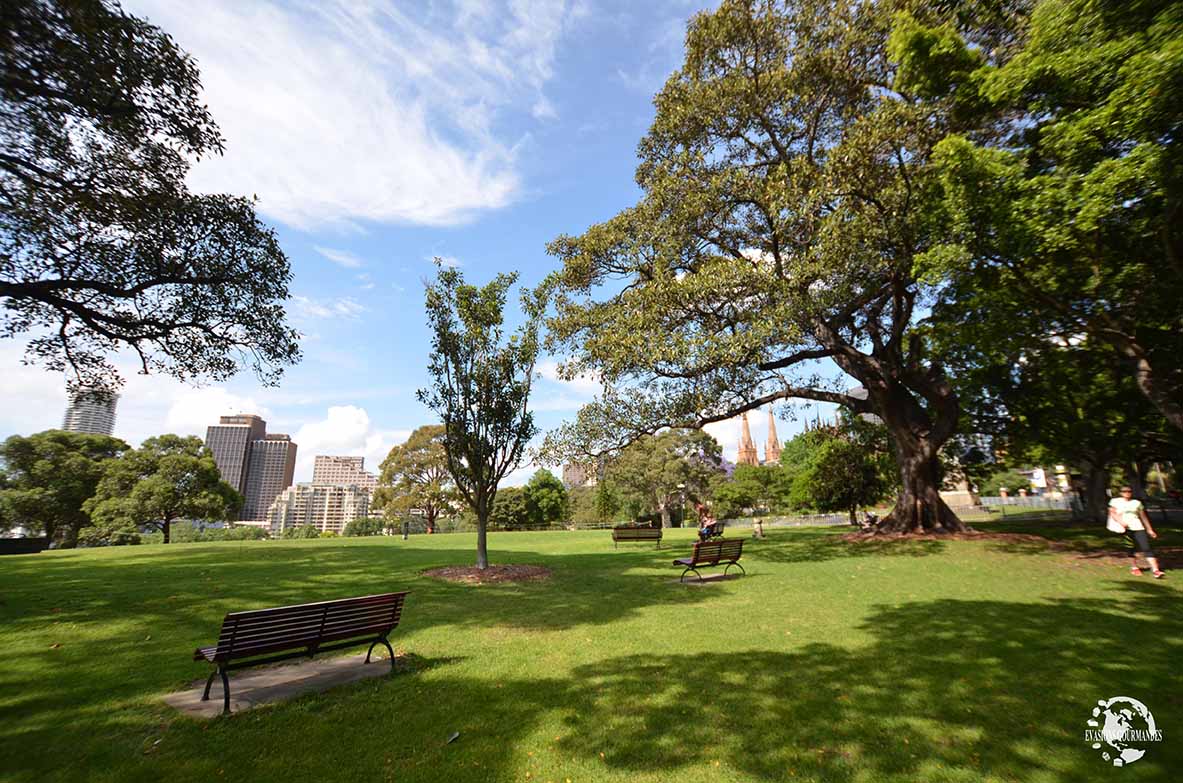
272, 684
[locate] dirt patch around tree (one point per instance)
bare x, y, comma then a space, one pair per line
495, 573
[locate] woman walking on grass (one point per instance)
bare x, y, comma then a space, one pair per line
1129, 515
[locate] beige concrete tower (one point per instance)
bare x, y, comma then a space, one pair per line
772, 447
747, 449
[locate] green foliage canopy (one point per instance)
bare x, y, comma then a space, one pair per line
1062, 191
167, 478
102, 246
48, 477
415, 475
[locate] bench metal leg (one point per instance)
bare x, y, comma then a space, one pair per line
225, 692
737, 565
388, 647
208, 683
225, 689
688, 570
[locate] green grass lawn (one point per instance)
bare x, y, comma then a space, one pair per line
911, 661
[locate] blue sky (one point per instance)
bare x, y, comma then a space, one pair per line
378, 134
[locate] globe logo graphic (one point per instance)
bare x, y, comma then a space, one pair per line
1122, 728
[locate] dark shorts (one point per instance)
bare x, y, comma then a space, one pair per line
1138, 541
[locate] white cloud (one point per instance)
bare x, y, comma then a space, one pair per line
341, 257
192, 410
342, 307
587, 385
340, 110
346, 430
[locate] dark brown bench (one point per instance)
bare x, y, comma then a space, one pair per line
711, 531
636, 534
285, 632
712, 553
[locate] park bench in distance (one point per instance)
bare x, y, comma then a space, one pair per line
712, 531
285, 632
712, 553
636, 534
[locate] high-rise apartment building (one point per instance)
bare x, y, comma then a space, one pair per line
88, 412
258, 465
343, 470
327, 507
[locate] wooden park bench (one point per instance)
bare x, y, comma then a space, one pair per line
712, 553
636, 534
711, 531
285, 632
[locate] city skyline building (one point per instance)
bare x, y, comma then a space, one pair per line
327, 507
90, 413
271, 471
328, 469
260, 466
579, 474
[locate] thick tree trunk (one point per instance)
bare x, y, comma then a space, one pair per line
431, 515
665, 516
853, 510
919, 507
1096, 501
166, 528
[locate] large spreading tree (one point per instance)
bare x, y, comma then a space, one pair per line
784, 205
660, 472
414, 476
46, 479
102, 246
168, 478
481, 385
1063, 193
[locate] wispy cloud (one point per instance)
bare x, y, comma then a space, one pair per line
341, 111
340, 257
341, 307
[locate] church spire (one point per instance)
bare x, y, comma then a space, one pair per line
747, 449
772, 447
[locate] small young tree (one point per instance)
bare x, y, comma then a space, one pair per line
167, 478
415, 475
482, 385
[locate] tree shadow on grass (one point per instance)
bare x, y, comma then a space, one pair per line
947, 690
819, 546
92, 636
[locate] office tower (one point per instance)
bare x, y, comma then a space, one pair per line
230, 441
343, 470
88, 412
258, 465
271, 465
327, 507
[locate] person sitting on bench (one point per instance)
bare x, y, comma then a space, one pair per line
706, 522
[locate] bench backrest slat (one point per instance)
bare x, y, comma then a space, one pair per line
258, 632
727, 549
